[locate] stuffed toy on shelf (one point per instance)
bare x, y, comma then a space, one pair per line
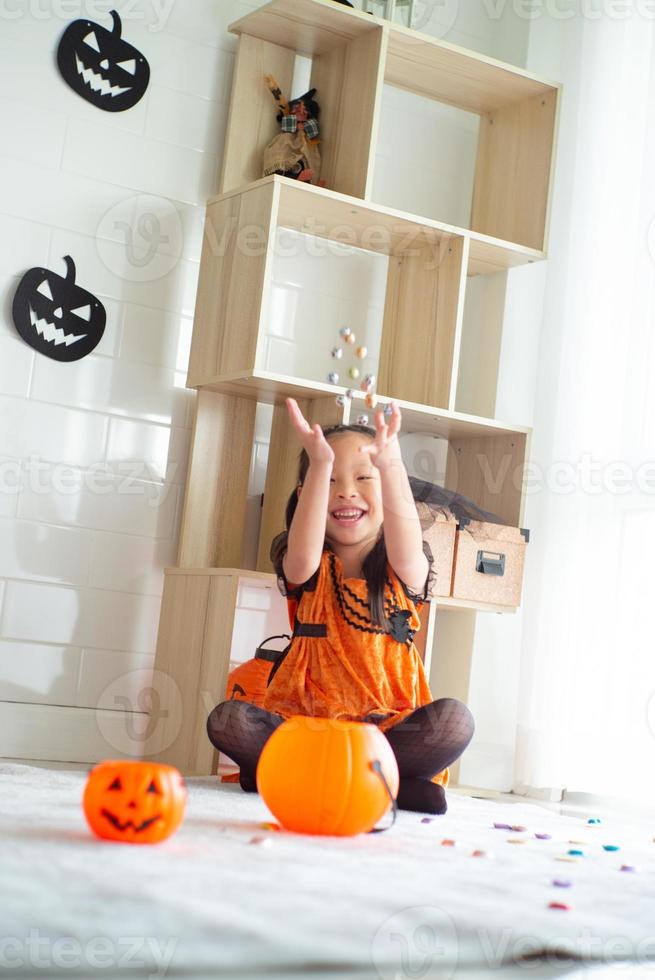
294, 151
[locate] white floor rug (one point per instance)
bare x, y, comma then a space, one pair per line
400, 904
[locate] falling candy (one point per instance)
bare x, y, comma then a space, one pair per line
350, 393
369, 380
388, 410
354, 373
333, 378
350, 338
340, 400
361, 352
362, 420
337, 352
371, 400
345, 332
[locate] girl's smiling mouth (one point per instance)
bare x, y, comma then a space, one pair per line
348, 515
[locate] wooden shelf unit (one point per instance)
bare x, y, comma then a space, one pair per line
428, 267
353, 56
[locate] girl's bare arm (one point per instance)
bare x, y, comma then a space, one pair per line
402, 529
307, 531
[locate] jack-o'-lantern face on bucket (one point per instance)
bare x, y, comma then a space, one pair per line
101, 67
57, 317
134, 802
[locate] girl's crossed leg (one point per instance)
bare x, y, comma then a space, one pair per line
424, 743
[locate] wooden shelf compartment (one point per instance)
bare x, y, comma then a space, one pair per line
428, 265
353, 56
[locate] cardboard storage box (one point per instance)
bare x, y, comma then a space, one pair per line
439, 532
488, 565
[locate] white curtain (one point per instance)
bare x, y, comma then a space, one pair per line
587, 690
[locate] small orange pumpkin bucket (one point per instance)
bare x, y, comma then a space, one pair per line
134, 802
324, 776
249, 680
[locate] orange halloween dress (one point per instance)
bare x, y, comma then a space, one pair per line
341, 665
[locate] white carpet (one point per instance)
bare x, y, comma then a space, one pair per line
208, 902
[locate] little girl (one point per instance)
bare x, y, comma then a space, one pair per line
355, 570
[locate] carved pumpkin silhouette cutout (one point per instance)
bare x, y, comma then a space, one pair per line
134, 802
101, 66
57, 317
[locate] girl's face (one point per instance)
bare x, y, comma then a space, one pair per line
355, 504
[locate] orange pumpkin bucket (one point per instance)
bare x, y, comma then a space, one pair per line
323, 776
134, 802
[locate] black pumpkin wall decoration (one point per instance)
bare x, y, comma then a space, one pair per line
101, 67
57, 317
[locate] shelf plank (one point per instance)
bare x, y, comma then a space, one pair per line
267, 580
351, 221
265, 386
456, 76
311, 27
415, 61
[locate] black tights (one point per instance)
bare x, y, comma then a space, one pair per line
424, 743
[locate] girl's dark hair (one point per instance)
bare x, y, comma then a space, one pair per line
375, 563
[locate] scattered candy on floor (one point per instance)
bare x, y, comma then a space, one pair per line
628, 867
576, 852
502, 826
518, 828
543, 836
447, 842
611, 847
516, 840
594, 820
561, 883
560, 905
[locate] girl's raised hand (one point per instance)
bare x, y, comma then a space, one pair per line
385, 450
316, 445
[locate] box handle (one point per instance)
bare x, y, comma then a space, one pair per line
490, 563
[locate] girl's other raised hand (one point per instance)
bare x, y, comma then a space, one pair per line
314, 442
385, 451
